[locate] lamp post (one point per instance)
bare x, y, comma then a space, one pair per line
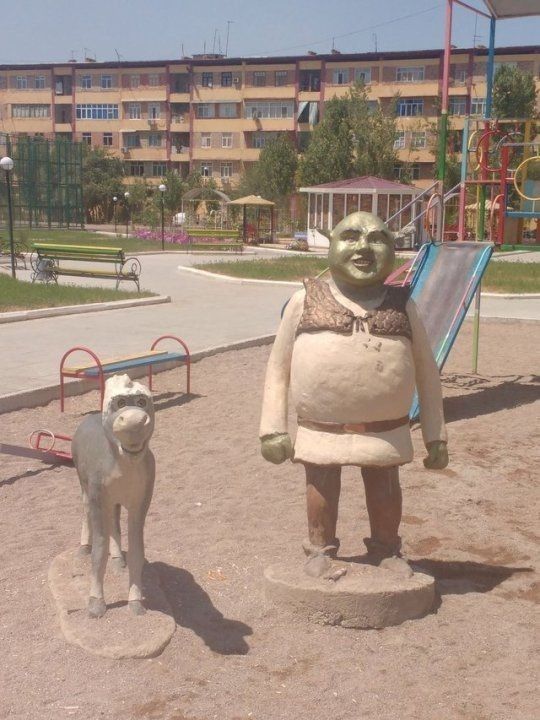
115, 201
126, 196
6, 163
162, 189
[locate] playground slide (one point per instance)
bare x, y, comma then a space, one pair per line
443, 287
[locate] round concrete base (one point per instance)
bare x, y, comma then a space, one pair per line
363, 597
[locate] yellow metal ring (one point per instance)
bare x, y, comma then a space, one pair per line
522, 164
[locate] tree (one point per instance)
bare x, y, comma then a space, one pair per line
103, 177
329, 155
273, 176
355, 137
514, 93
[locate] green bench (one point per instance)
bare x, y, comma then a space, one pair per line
48, 262
225, 239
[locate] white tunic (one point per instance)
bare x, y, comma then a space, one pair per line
354, 378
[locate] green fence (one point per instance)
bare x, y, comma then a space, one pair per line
46, 181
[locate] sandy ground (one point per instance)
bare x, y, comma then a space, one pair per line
220, 514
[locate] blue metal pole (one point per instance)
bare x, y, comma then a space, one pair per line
490, 68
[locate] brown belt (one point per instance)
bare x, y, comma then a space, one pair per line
354, 428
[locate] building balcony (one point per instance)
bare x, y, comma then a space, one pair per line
180, 154
269, 124
403, 89
177, 97
63, 127
110, 96
217, 94
250, 154
140, 94
145, 153
269, 92
27, 97
210, 154
180, 123
309, 96
32, 125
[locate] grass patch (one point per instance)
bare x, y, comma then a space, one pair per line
504, 277
18, 295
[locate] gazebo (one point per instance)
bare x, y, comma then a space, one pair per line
331, 202
258, 202
204, 194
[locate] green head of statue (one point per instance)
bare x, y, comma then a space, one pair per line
361, 251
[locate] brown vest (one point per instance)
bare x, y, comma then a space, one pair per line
323, 312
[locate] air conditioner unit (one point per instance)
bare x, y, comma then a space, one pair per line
236, 79
124, 149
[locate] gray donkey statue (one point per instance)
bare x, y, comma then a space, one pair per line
116, 468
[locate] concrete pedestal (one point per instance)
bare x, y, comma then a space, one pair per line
119, 633
364, 597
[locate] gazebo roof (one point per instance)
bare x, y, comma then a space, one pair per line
365, 183
501, 9
203, 193
251, 200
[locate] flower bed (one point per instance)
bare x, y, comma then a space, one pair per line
195, 237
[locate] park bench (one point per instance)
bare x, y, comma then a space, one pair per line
46, 262
98, 369
224, 241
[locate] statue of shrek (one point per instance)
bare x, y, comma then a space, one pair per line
352, 350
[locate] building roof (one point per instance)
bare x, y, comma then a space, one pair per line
191, 62
501, 9
365, 183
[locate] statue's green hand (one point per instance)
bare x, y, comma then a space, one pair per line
276, 448
437, 457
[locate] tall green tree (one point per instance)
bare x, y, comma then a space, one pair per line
514, 93
273, 176
329, 155
103, 177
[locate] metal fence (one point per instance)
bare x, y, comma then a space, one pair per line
46, 181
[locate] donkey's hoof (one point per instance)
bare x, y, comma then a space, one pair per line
96, 607
136, 607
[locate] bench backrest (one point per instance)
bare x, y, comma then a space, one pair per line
79, 252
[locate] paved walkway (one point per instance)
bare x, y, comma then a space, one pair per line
206, 312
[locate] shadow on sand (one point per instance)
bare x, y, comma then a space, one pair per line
193, 609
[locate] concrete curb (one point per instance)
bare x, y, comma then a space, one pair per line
238, 281
44, 395
21, 315
241, 281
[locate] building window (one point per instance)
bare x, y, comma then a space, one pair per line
410, 107
134, 111
407, 172
134, 81
281, 78
207, 79
206, 169
21, 82
341, 76
226, 79
399, 141
153, 80
136, 169
259, 140
30, 111
226, 140
107, 139
418, 140
154, 111
227, 110
205, 110
132, 140
362, 75
283, 109
159, 169
206, 140
478, 106
86, 82
226, 170
106, 82
457, 105
409, 74
154, 140
39, 82
87, 138
94, 111
259, 78
460, 75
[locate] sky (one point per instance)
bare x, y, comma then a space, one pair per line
57, 30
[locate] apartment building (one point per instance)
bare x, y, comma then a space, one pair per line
215, 114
